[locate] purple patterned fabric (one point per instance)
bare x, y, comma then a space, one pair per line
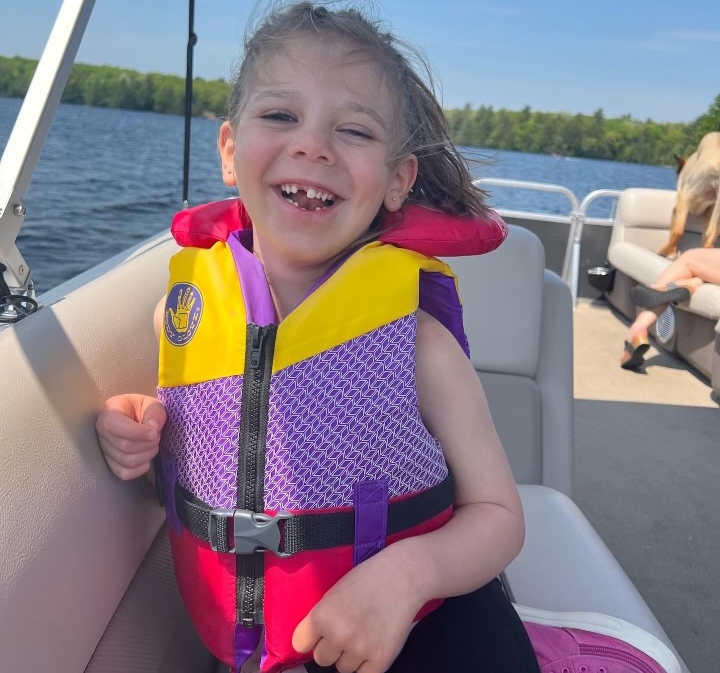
202, 435
346, 415
370, 500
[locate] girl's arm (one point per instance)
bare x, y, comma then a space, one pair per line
363, 621
487, 529
158, 317
129, 426
128, 429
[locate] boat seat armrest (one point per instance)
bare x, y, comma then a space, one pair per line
565, 566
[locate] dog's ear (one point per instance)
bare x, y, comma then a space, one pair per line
680, 161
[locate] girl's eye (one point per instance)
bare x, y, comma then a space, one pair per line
358, 133
278, 116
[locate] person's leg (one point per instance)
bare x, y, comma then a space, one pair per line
479, 632
691, 269
700, 265
643, 321
675, 284
637, 341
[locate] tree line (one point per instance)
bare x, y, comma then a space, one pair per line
589, 136
104, 86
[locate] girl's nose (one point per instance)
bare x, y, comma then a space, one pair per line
312, 145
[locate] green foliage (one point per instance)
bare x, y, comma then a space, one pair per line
591, 136
15, 76
710, 121
103, 86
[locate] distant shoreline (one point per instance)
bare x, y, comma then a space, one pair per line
553, 133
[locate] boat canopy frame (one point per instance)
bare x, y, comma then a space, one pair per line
30, 131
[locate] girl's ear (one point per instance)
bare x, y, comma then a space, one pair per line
401, 181
226, 147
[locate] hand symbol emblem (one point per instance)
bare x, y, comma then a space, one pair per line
181, 317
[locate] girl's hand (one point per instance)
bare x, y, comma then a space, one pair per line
128, 428
362, 623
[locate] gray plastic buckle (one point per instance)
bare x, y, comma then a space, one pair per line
252, 531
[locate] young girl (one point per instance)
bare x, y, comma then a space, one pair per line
336, 362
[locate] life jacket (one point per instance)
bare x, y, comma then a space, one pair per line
293, 452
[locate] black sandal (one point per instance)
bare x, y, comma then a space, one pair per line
634, 353
649, 297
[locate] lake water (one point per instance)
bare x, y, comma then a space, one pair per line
108, 179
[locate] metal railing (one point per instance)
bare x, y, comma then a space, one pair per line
576, 218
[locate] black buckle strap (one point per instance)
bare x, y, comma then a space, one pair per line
285, 534
251, 531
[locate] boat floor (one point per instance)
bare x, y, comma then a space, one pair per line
647, 475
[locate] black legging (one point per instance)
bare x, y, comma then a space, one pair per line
479, 632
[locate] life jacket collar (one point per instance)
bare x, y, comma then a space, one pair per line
413, 227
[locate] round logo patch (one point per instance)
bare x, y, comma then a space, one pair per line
183, 310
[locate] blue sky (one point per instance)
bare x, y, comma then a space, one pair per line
651, 59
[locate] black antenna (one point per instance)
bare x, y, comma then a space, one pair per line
192, 41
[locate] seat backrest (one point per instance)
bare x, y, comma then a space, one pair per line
518, 319
643, 217
86, 582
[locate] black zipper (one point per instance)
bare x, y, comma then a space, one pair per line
259, 350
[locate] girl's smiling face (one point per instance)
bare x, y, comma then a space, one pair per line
311, 151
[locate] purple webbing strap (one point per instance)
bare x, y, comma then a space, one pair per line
245, 642
169, 477
370, 499
439, 298
259, 305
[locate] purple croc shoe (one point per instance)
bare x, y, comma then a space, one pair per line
588, 642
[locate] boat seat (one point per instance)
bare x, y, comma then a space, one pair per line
85, 580
565, 565
640, 228
518, 319
520, 335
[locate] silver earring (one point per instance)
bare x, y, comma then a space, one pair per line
394, 198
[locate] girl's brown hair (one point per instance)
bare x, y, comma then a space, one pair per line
443, 180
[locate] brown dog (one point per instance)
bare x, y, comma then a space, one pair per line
698, 193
